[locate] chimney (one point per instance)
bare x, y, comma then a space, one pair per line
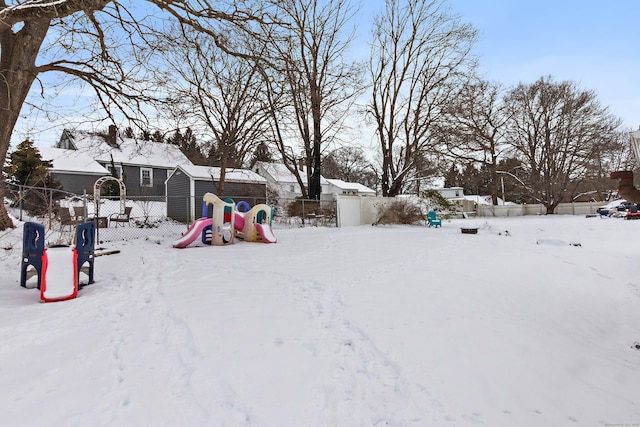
112, 139
301, 164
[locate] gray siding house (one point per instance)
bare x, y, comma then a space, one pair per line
187, 184
144, 166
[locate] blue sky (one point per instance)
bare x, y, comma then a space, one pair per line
592, 44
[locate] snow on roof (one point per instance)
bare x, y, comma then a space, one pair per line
129, 151
481, 200
210, 172
282, 175
71, 161
353, 186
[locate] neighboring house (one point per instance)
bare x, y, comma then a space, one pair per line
186, 185
635, 144
338, 186
76, 171
143, 165
283, 182
457, 194
451, 192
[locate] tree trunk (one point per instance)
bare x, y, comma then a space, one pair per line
315, 187
18, 53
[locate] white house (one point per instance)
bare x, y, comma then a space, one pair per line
338, 186
451, 192
457, 194
284, 183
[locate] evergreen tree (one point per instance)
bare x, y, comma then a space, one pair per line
27, 166
261, 154
129, 133
157, 136
188, 145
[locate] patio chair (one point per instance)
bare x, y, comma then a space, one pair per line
122, 217
433, 219
65, 218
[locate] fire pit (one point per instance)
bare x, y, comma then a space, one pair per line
469, 230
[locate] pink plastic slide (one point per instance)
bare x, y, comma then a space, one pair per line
59, 274
238, 221
266, 233
193, 233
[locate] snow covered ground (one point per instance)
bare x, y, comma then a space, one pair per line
533, 321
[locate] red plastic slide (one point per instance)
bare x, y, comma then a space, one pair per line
59, 274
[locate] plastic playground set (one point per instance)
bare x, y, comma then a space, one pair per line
58, 267
223, 220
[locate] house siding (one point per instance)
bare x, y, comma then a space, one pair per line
179, 198
131, 178
184, 206
76, 183
252, 193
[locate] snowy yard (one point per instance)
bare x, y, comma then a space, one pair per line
533, 321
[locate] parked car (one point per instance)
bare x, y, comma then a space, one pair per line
617, 206
627, 206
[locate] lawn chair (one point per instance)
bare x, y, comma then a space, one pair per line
122, 217
433, 220
65, 218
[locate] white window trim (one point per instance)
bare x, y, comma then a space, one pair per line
150, 184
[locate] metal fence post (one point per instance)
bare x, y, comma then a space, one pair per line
20, 196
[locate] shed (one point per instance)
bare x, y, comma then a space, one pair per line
187, 184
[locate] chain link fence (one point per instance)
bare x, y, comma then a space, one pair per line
60, 211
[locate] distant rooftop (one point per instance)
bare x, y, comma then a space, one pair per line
71, 161
123, 150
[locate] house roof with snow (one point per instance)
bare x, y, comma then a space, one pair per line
71, 161
129, 151
351, 186
277, 172
213, 173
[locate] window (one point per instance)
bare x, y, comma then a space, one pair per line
117, 168
146, 177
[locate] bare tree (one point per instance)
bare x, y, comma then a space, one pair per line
557, 129
611, 155
420, 52
474, 126
99, 42
219, 94
349, 164
317, 82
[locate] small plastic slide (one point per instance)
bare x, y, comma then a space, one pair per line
193, 233
266, 233
59, 274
